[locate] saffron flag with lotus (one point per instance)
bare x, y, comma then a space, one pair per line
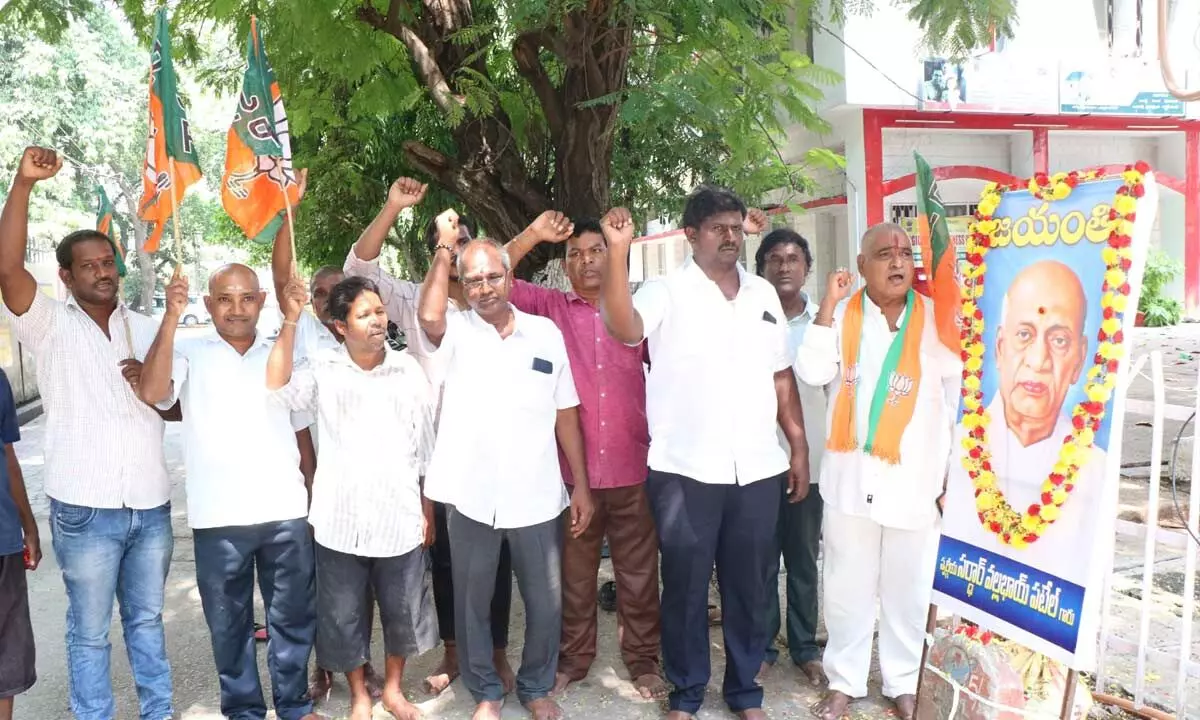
171, 163
259, 183
104, 224
939, 258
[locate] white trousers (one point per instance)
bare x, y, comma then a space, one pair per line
866, 562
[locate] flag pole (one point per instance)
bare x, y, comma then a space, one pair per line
287, 202
175, 220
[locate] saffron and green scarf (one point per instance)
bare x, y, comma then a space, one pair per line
895, 392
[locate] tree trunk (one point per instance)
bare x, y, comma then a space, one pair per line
488, 172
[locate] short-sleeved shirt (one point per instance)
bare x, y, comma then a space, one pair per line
496, 457
611, 382
11, 537
104, 446
710, 396
240, 452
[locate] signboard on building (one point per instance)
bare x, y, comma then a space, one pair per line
993, 82
1032, 486
1116, 86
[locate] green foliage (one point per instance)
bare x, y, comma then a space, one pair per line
952, 28
1159, 310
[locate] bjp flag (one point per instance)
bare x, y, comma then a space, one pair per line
104, 224
938, 257
258, 155
164, 182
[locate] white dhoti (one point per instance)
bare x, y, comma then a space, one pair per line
866, 562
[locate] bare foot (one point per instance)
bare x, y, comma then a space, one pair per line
360, 709
319, 684
311, 716
374, 682
544, 709
679, 715
507, 677
815, 672
651, 686
444, 674
561, 681
762, 670
488, 710
906, 706
752, 714
833, 707
399, 706
714, 617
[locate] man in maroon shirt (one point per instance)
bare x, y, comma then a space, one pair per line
611, 384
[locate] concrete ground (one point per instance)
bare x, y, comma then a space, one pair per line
606, 694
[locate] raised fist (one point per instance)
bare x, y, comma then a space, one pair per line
38, 163
177, 296
618, 227
405, 193
839, 285
552, 226
295, 297
756, 221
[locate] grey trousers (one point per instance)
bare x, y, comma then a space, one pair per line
537, 563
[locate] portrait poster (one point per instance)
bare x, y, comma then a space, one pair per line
1032, 486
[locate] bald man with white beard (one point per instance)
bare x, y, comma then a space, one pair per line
1041, 353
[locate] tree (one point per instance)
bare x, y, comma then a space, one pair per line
511, 107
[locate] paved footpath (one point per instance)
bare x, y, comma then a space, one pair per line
606, 694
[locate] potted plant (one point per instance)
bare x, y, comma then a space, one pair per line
1154, 309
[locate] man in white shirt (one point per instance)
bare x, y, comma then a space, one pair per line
400, 299
247, 501
720, 384
891, 386
110, 514
784, 259
370, 521
505, 483
1041, 350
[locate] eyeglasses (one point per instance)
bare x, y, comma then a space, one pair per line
477, 284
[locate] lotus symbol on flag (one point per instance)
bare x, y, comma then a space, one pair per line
898, 386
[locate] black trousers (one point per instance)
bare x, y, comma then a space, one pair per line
733, 527
443, 585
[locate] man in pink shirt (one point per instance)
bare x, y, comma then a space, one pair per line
611, 384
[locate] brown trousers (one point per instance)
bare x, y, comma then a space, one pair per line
623, 514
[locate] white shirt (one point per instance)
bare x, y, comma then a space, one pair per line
376, 437
312, 337
710, 394
104, 446
240, 452
496, 459
900, 496
812, 399
1065, 547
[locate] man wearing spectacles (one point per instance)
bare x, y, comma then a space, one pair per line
505, 483
399, 297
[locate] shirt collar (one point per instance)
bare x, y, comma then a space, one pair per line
694, 272
391, 358
259, 341
872, 311
809, 313
71, 302
520, 320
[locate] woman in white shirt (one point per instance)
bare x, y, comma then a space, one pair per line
370, 520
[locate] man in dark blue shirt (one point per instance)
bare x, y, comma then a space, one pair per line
20, 550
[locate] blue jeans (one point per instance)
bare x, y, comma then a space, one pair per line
123, 554
226, 558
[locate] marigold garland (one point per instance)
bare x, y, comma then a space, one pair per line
1022, 528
